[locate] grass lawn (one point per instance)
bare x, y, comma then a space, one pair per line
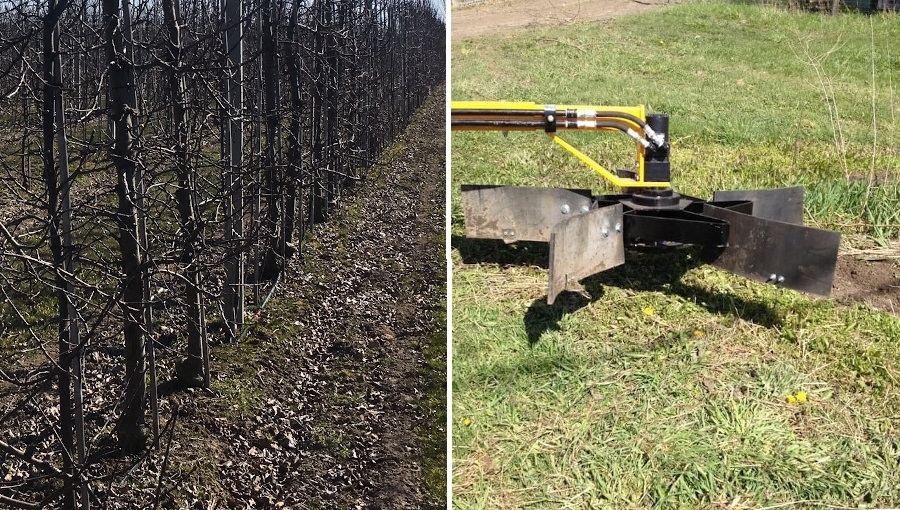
670, 384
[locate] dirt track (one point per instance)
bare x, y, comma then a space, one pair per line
498, 16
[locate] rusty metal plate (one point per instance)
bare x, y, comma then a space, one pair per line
584, 245
519, 213
788, 255
780, 204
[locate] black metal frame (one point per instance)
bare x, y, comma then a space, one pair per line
672, 225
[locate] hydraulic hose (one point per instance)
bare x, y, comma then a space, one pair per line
525, 125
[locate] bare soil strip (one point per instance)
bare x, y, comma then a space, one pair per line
500, 16
875, 282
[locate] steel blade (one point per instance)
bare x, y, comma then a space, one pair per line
789, 255
519, 213
780, 204
584, 245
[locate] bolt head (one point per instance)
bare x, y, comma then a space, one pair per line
565, 209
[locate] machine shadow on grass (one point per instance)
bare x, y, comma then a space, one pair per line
643, 271
494, 251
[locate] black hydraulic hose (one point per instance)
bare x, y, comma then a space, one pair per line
499, 125
569, 114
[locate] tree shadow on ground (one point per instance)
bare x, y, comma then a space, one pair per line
170, 387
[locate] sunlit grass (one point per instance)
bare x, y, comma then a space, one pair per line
668, 385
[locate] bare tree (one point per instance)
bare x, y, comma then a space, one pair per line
193, 370
59, 209
274, 255
121, 111
233, 147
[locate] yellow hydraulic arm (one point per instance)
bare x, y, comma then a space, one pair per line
648, 131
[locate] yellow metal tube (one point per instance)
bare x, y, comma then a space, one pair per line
615, 180
637, 111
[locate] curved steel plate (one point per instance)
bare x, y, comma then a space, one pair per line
519, 213
792, 256
780, 204
584, 245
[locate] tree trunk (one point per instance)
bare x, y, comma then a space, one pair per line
295, 147
273, 262
332, 157
57, 205
193, 370
234, 155
319, 198
131, 429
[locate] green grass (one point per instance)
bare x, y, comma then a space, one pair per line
667, 387
434, 455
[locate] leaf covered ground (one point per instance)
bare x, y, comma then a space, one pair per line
344, 381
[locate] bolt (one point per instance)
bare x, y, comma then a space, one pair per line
551, 118
773, 277
780, 279
584, 209
565, 209
605, 231
618, 227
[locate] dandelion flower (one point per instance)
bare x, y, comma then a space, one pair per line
466, 422
648, 310
698, 332
801, 396
791, 399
